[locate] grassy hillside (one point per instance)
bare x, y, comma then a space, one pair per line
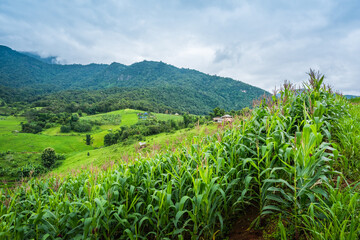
282, 163
27, 142
110, 121
22, 150
9, 124
66, 142
119, 153
355, 100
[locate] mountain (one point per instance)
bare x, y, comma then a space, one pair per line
350, 96
50, 60
24, 77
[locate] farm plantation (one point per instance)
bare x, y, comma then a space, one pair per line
21, 151
294, 161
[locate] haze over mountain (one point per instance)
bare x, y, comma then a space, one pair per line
50, 59
26, 76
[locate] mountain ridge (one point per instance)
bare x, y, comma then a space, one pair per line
20, 73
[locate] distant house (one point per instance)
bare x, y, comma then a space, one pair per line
217, 119
176, 114
142, 145
225, 118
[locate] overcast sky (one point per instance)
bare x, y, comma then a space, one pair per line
258, 42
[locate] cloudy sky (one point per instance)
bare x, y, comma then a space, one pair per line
258, 42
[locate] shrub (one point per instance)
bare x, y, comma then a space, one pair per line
29, 171
88, 139
110, 139
65, 129
48, 157
60, 157
48, 125
81, 127
31, 127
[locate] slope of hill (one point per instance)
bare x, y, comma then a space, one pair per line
279, 163
155, 83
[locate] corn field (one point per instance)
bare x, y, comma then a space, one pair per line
285, 159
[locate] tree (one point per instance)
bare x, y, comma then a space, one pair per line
187, 119
217, 112
48, 157
65, 128
74, 118
88, 139
81, 126
110, 139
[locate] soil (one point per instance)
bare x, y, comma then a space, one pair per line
241, 228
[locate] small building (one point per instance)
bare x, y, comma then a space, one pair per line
227, 118
176, 114
142, 145
217, 119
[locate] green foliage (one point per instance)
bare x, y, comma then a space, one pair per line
29, 170
88, 139
74, 118
127, 134
279, 159
336, 216
81, 126
93, 88
355, 100
110, 139
33, 127
15, 166
48, 157
348, 139
217, 112
65, 128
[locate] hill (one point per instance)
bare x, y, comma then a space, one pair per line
50, 59
156, 84
285, 171
20, 151
351, 96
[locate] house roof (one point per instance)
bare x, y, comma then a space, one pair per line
226, 116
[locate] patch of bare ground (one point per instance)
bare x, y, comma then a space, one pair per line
241, 229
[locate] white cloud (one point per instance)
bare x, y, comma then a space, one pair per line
258, 42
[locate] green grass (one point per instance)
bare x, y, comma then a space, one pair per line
355, 100
10, 123
72, 144
166, 117
127, 116
118, 153
193, 184
10, 162
27, 142
122, 117
64, 142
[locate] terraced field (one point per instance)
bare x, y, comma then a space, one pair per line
23, 149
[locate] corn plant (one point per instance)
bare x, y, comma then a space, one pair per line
335, 217
279, 160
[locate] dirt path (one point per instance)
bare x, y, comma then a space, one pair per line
241, 227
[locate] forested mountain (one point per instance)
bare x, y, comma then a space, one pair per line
154, 84
50, 59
